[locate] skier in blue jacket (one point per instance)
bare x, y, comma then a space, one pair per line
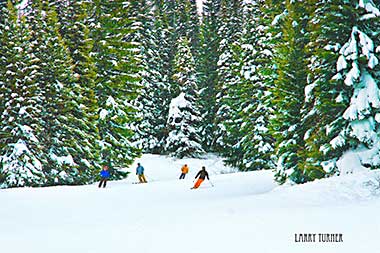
140, 173
104, 174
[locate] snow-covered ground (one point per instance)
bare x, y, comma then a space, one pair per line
244, 212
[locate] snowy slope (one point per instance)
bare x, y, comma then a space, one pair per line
160, 168
244, 212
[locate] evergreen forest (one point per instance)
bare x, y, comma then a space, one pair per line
285, 85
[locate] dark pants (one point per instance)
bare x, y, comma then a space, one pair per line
103, 181
182, 176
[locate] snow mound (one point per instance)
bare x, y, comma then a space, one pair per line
341, 190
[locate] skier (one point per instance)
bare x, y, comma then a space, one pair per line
202, 174
140, 173
104, 174
184, 171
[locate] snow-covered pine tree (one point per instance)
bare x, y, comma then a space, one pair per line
142, 15
3, 50
230, 17
229, 98
73, 23
184, 117
167, 13
326, 97
154, 99
167, 21
252, 95
207, 65
3, 12
188, 23
181, 20
140, 12
68, 125
358, 67
20, 159
288, 93
231, 107
117, 82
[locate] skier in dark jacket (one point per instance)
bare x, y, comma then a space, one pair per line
202, 174
104, 174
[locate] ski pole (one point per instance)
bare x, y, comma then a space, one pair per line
211, 183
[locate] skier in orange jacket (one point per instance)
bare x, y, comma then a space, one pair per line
184, 171
202, 174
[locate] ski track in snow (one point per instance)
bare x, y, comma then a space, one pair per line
244, 212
